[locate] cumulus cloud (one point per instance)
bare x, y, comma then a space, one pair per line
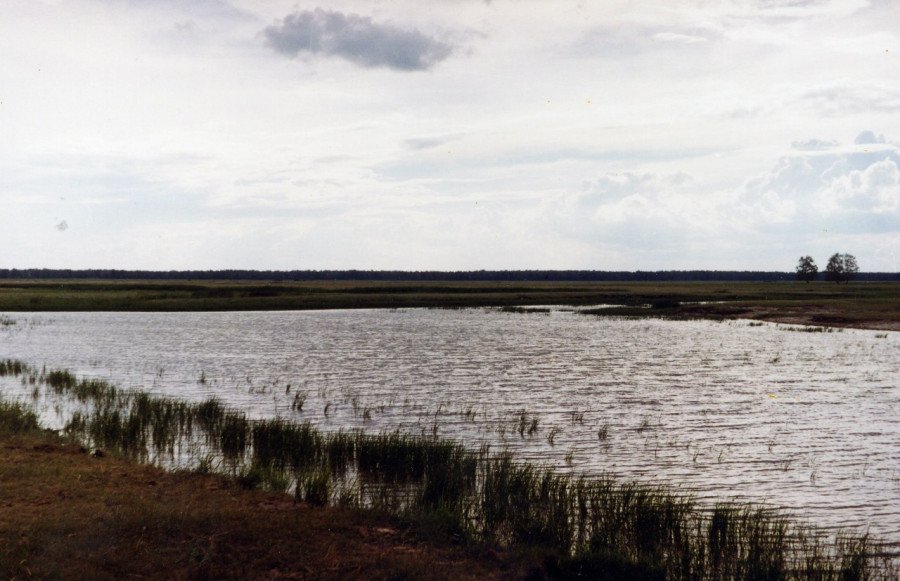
875, 189
357, 39
848, 188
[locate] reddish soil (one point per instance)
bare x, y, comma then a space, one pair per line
67, 514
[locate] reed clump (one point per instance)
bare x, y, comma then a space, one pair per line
526, 423
12, 367
16, 418
596, 526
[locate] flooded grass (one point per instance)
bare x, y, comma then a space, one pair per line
299, 400
603, 432
810, 329
595, 524
526, 423
12, 367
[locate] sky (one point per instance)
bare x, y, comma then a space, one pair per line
449, 135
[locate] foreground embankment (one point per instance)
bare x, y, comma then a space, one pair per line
869, 305
67, 514
594, 526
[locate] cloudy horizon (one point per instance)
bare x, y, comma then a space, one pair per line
454, 135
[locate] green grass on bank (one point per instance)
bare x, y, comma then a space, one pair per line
16, 418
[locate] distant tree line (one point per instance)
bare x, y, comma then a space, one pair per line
840, 268
427, 275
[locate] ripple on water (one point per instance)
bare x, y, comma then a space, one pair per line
809, 421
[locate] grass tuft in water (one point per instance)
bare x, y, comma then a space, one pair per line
603, 432
12, 367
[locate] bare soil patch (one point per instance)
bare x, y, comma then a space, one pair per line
67, 514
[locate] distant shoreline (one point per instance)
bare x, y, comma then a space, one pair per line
430, 275
865, 305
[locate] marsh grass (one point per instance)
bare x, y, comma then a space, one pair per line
603, 432
526, 423
16, 418
811, 329
12, 367
315, 488
551, 435
299, 400
596, 525
525, 310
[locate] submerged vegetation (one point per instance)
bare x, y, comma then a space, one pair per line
596, 525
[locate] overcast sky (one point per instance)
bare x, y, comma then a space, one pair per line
452, 134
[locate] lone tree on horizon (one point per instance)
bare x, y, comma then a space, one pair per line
841, 268
807, 269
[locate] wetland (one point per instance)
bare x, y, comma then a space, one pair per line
775, 426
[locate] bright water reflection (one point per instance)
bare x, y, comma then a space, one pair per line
809, 421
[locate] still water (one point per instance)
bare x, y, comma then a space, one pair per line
805, 421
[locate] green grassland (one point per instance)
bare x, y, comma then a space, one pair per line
869, 305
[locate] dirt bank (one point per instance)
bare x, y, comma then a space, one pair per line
67, 514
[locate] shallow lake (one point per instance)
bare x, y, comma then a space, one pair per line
809, 421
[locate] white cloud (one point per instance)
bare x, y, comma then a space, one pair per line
556, 134
852, 189
873, 190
